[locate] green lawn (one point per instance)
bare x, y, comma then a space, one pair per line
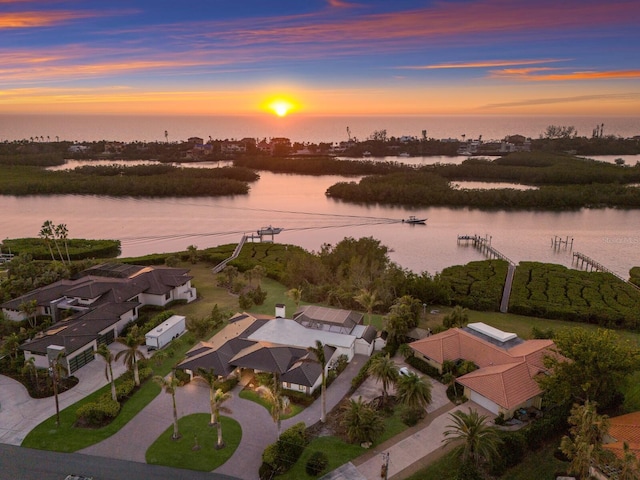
68, 438
254, 396
181, 453
338, 451
540, 465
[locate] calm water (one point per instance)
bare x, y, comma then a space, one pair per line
298, 204
296, 127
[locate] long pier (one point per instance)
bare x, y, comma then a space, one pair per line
484, 245
218, 268
588, 262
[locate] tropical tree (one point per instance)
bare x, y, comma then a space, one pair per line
479, 441
583, 445
219, 397
62, 233
295, 294
588, 365
628, 464
46, 234
360, 421
58, 369
368, 300
413, 391
192, 252
108, 357
29, 368
278, 403
320, 358
449, 379
132, 353
385, 370
458, 317
30, 308
170, 384
258, 272
11, 344
208, 376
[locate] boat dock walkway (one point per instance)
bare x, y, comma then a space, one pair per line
589, 263
218, 268
484, 245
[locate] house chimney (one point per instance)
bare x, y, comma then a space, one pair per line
280, 310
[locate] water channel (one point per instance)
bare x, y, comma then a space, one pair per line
298, 204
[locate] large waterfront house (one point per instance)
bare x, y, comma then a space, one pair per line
94, 308
505, 380
279, 345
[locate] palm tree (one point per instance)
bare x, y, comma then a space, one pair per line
108, 357
278, 403
46, 233
29, 368
169, 385
413, 391
57, 370
628, 464
320, 359
458, 317
385, 370
11, 344
360, 421
62, 232
219, 397
295, 294
583, 445
132, 353
449, 379
369, 301
479, 441
30, 308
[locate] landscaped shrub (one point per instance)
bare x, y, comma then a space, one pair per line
124, 389
512, 451
316, 464
227, 384
96, 414
286, 451
423, 367
362, 375
300, 398
411, 415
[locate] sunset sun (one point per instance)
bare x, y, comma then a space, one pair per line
280, 106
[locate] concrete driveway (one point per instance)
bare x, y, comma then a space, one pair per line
19, 413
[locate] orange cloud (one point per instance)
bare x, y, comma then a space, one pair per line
40, 19
532, 74
610, 97
481, 64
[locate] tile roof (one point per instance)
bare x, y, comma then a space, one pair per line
505, 375
331, 319
624, 428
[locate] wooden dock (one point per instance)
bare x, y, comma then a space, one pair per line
587, 263
484, 245
218, 268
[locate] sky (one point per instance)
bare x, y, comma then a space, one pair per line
320, 57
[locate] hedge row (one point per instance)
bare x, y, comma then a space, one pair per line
553, 291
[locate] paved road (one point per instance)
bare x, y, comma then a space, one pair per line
19, 463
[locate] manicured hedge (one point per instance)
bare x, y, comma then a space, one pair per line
554, 291
477, 285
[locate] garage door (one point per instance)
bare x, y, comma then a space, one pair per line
485, 402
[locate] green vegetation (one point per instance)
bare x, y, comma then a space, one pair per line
292, 409
79, 249
554, 291
477, 285
68, 438
137, 181
564, 182
194, 428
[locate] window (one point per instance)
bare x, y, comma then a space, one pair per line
302, 388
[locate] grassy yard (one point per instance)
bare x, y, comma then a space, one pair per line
254, 396
182, 454
338, 451
68, 438
540, 465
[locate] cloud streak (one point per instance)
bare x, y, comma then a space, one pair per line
619, 97
481, 64
535, 75
32, 19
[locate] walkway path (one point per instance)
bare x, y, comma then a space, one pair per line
19, 413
